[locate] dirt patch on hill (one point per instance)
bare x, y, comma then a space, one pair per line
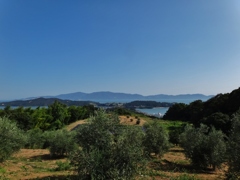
126, 120
75, 124
130, 120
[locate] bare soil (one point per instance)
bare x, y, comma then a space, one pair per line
126, 120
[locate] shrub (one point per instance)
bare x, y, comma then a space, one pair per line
108, 149
174, 134
62, 142
35, 139
120, 111
234, 148
203, 146
156, 139
219, 120
47, 138
11, 138
62, 166
138, 121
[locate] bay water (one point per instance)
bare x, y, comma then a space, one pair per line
158, 111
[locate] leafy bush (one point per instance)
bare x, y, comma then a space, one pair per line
61, 142
138, 121
203, 146
11, 138
58, 115
109, 150
62, 166
156, 139
176, 112
35, 139
234, 149
219, 121
120, 111
174, 134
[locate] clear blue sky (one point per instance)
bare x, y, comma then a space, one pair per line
51, 47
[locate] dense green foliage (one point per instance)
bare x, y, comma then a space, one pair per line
234, 148
108, 149
11, 138
55, 116
119, 111
36, 139
156, 139
47, 101
62, 142
176, 112
175, 132
214, 112
219, 120
203, 146
146, 104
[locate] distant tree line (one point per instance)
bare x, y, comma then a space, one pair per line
146, 104
46, 102
53, 117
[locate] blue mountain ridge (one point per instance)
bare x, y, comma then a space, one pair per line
112, 95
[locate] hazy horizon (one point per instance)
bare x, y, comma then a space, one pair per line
174, 47
54, 95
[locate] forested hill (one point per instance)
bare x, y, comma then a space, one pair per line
146, 104
46, 102
216, 111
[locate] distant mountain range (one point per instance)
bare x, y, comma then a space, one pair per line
106, 98
124, 97
111, 96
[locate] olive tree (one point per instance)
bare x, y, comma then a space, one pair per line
203, 146
61, 142
11, 138
234, 148
108, 149
35, 139
156, 139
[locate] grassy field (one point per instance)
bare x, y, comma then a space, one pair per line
37, 163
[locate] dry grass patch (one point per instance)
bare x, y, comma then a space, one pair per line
131, 120
75, 124
174, 164
125, 120
31, 164
37, 164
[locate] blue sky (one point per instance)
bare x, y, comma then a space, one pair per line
51, 47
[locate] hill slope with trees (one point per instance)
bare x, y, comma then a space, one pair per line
216, 111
